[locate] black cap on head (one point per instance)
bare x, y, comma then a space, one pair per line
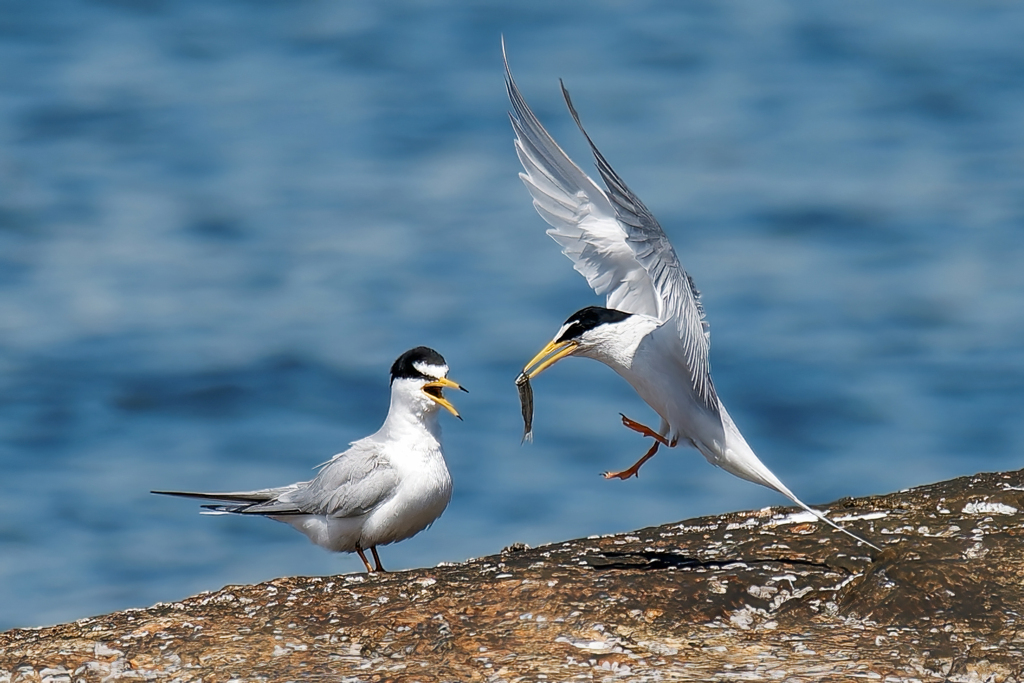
587, 319
405, 366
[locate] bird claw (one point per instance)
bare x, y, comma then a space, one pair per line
624, 475
633, 471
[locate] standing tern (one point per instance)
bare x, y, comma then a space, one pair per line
386, 487
652, 331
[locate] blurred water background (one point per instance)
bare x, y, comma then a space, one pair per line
221, 222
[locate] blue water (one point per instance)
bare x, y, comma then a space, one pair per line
221, 222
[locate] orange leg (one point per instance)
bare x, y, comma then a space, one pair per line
362, 556
376, 558
634, 471
646, 431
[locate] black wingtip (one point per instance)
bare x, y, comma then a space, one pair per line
568, 102
576, 116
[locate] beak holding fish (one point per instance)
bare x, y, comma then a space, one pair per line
526, 401
548, 356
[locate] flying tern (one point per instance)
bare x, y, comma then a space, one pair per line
652, 330
385, 488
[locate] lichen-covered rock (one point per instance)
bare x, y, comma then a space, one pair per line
765, 595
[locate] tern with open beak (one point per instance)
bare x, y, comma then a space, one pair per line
652, 330
385, 488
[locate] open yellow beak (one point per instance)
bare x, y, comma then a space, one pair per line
548, 356
433, 390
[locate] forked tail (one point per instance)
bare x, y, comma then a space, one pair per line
739, 459
784, 491
262, 502
763, 476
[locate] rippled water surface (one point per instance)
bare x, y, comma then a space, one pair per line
221, 222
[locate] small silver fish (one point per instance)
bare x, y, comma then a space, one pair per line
526, 401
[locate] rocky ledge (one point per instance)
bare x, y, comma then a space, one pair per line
763, 595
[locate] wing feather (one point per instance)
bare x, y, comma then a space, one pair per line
582, 219
351, 484
612, 239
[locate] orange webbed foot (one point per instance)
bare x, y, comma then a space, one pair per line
634, 471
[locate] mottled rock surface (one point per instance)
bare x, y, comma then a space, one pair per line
762, 595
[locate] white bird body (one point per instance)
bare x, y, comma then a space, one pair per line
384, 488
647, 354
653, 330
408, 460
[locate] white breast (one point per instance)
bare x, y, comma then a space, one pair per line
657, 371
423, 493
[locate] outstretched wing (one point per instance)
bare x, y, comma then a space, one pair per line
612, 239
582, 218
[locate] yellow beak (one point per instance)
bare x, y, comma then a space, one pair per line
556, 350
435, 395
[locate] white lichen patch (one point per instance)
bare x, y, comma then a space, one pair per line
786, 595
762, 592
863, 515
697, 528
745, 524
590, 645
791, 518
976, 551
986, 508
842, 584
745, 617
734, 565
103, 650
657, 648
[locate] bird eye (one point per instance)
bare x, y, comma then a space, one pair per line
570, 332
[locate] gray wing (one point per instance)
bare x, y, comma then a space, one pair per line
582, 218
612, 239
352, 484
349, 485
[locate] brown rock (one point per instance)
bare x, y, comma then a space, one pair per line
759, 595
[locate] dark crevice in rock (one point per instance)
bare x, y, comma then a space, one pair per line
655, 560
